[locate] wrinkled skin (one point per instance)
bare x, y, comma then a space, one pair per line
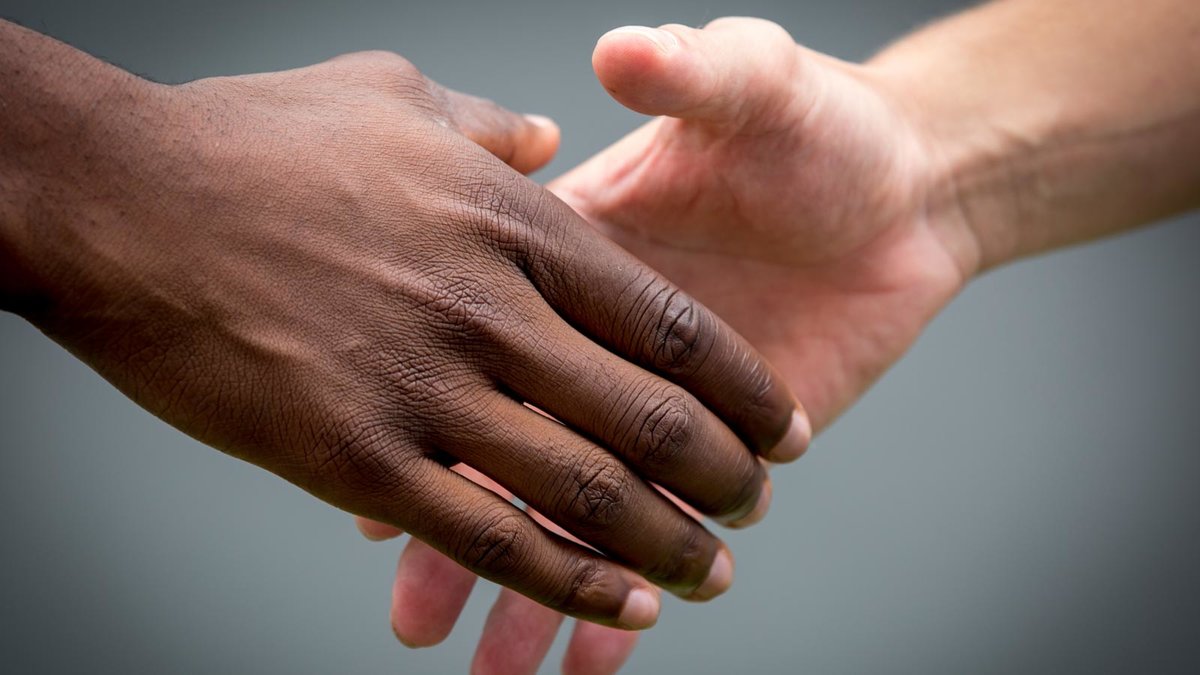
792, 194
318, 272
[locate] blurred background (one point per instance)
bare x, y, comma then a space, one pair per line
1020, 494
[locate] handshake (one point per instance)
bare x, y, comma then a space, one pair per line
340, 274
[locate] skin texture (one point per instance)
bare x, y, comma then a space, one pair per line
705, 196
829, 210
319, 272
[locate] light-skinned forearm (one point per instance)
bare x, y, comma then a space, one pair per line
1057, 122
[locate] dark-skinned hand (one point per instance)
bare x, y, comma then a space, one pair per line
321, 272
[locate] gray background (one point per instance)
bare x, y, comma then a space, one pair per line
1018, 495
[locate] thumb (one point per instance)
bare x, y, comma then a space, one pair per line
524, 142
735, 70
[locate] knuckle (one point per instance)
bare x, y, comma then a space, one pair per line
433, 381
499, 198
494, 198
666, 431
363, 455
468, 306
496, 546
763, 30
758, 388
774, 34
386, 61
725, 22
681, 335
760, 384
585, 582
599, 494
388, 71
518, 220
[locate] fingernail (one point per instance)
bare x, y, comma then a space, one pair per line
640, 610
662, 39
760, 509
540, 121
795, 441
720, 577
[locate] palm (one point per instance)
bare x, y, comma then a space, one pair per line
802, 228
787, 195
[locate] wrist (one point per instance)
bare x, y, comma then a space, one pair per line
1037, 143
981, 177
70, 124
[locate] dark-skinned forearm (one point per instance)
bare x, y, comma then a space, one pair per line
60, 110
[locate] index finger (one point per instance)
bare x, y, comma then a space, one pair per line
638, 314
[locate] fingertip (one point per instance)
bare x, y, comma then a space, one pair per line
542, 123
597, 650
795, 440
403, 639
732, 71
639, 38
375, 530
633, 63
428, 595
406, 636
414, 635
540, 144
